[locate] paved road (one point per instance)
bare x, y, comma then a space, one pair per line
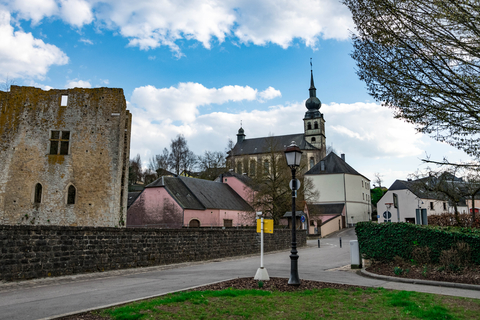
44, 298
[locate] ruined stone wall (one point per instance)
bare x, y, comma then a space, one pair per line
29, 252
94, 161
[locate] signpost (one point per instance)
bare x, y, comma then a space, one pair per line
262, 273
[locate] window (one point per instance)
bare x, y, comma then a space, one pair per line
59, 142
431, 205
38, 193
362, 184
309, 126
315, 125
71, 195
313, 139
312, 223
253, 164
266, 167
312, 162
239, 168
64, 101
444, 206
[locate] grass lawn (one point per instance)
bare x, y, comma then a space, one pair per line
374, 303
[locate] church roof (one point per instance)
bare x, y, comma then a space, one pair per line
199, 194
332, 164
264, 145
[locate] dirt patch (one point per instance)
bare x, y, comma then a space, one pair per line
468, 275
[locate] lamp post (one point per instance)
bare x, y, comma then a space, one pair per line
293, 154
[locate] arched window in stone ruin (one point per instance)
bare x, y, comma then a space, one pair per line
38, 193
72, 191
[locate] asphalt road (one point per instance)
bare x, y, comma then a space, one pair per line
47, 298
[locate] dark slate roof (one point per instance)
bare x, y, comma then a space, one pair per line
263, 145
333, 164
288, 214
216, 195
415, 187
199, 194
132, 196
320, 209
242, 177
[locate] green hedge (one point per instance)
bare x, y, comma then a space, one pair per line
384, 241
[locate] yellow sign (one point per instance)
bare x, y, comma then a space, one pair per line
267, 225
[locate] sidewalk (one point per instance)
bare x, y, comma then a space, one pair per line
46, 298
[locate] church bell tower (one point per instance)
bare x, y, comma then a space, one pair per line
314, 124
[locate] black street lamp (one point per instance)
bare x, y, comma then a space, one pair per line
293, 154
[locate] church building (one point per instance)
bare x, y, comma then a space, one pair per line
250, 155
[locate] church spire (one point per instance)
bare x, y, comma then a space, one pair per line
313, 104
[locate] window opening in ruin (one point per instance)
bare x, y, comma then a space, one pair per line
315, 125
71, 195
38, 193
309, 126
59, 142
64, 101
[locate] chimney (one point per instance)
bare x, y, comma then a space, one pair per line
343, 156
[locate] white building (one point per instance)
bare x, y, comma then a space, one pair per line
338, 183
411, 198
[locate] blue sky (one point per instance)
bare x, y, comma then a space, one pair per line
200, 67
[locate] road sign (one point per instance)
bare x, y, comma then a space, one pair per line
267, 225
302, 218
291, 185
387, 215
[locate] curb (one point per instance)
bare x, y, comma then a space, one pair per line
423, 282
127, 302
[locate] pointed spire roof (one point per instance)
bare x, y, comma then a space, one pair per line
313, 104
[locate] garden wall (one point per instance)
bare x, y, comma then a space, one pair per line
29, 252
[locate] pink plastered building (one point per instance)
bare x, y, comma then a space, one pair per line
176, 202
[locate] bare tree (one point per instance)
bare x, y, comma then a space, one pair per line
159, 162
178, 153
211, 164
6, 85
135, 170
378, 179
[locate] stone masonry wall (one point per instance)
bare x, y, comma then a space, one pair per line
28, 252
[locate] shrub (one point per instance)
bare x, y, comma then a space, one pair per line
382, 242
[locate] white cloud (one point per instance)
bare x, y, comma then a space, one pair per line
269, 93
34, 10
78, 84
182, 103
76, 12
150, 24
86, 41
367, 128
22, 55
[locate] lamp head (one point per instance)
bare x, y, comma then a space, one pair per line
293, 155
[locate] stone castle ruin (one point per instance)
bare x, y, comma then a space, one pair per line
64, 157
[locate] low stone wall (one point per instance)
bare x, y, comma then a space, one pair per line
29, 252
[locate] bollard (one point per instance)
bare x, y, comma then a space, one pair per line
340, 241
319, 243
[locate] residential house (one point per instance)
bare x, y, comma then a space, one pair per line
338, 184
175, 202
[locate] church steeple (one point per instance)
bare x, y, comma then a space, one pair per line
314, 123
313, 104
